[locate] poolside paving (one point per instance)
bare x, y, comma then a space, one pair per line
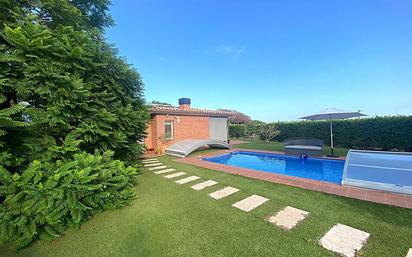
203, 185
344, 240
175, 175
187, 180
158, 168
250, 203
153, 164
409, 253
288, 218
163, 171
401, 200
219, 194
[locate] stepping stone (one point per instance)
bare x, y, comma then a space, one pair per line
150, 160
163, 171
409, 253
186, 180
203, 185
158, 168
344, 240
174, 175
153, 164
250, 203
288, 217
223, 192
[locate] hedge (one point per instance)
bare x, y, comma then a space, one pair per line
387, 133
237, 130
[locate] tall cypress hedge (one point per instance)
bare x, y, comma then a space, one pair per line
387, 133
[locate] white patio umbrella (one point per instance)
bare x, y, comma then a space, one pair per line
333, 114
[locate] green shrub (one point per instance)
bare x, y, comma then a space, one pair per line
267, 132
237, 130
48, 197
252, 127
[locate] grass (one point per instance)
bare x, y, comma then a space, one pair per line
277, 146
167, 219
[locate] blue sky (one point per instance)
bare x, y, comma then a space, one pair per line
273, 60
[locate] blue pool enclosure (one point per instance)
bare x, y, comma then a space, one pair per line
387, 171
312, 168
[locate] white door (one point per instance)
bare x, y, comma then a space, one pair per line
218, 128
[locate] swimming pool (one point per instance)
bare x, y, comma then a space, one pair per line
312, 168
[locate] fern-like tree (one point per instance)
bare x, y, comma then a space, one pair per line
7, 121
53, 55
87, 118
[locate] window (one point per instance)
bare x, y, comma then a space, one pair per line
168, 129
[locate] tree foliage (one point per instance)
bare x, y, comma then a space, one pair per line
252, 127
87, 114
8, 121
267, 132
237, 130
73, 78
237, 117
155, 102
48, 197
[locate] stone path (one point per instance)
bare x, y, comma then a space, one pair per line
158, 168
344, 240
163, 171
250, 203
150, 160
203, 185
288, 218
187, 180
223, 192
153, 164
341, 239
175, 175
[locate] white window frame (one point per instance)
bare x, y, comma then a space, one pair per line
171, 128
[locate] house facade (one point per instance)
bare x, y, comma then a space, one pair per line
170, 124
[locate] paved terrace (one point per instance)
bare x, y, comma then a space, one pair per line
400, 200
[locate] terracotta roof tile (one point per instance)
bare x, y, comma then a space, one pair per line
162, 109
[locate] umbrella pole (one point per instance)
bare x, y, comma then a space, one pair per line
331, 137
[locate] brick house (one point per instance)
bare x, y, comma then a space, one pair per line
171, 124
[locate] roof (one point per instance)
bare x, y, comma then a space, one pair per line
165, 109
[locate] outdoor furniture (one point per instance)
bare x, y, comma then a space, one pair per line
302, 146
333, 114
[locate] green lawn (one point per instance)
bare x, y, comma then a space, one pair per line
167, 219
277, 146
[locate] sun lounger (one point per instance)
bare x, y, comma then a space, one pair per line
310, 147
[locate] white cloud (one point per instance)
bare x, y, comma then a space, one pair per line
230, 50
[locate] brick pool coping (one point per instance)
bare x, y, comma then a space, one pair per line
401, 200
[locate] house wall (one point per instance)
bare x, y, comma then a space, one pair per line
149, 141
184, 127
218, 128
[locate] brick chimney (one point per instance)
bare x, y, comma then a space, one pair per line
184, 103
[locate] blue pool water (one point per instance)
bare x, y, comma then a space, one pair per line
312, 168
